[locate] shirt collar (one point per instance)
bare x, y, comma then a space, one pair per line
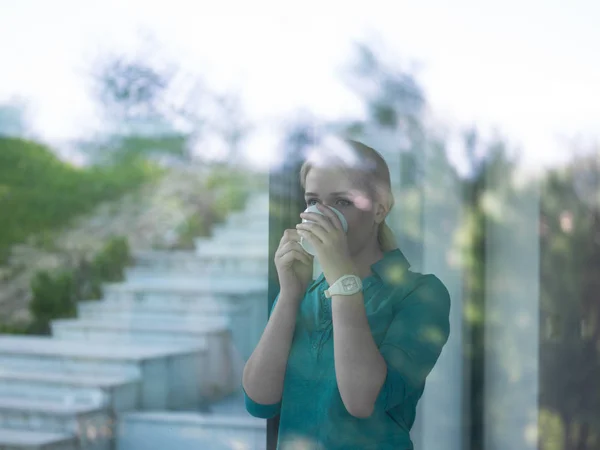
390, 269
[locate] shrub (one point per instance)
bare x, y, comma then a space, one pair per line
195, 226
55, 293
54, 297
109, 264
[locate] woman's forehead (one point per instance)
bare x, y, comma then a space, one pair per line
331, 179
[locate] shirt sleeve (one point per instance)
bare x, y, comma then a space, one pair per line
414, 340
258, 409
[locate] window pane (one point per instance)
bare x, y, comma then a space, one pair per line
151, 160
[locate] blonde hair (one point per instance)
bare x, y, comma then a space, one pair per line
373, 173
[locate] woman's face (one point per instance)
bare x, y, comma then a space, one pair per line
344, 192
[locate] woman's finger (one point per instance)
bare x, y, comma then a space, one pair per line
310, 237
289, 235
290, 245
315, 229
294, 254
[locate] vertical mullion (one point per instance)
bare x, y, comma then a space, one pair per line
286, 201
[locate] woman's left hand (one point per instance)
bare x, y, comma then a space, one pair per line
329, 240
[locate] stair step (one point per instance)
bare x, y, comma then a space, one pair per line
180, 365
47, 407
233, 251
47, 347
205, 285
135, 331
252, 268
214, 336
207, 310
118, 392
103, 380
91, 425
36, 440
247, 310
182, 303
161, 265
179, 431
255, 222
168, 320
247, 320
211, 264
205, 327
240, 235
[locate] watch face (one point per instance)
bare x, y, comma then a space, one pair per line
349, 284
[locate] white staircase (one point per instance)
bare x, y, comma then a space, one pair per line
135, 369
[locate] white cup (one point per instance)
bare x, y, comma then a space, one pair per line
313, 208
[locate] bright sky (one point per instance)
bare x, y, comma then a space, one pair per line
528, 68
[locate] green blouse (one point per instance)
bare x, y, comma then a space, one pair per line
408, 313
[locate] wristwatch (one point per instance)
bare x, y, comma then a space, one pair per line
345, 285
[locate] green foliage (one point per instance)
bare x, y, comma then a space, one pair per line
55, 293
570, 312
39, 192
109, 263
107, 266
221, 175
15, 328
230, 190
231, 197
227, 190
53, 297
194, 227
130, 149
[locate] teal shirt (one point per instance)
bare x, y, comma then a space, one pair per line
408, 313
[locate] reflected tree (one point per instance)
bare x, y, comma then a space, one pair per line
152, 107
570, 316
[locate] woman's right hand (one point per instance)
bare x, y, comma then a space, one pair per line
294, 265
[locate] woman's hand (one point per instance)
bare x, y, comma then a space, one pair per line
328, 238
294, 265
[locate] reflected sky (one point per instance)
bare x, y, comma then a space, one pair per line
527, 68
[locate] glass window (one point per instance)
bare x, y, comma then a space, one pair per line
153, 155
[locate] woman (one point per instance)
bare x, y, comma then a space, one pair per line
346, 372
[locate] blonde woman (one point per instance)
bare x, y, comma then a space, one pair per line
343, 358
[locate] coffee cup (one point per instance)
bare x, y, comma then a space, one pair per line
313, 208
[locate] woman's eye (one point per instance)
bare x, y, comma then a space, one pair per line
341, 201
